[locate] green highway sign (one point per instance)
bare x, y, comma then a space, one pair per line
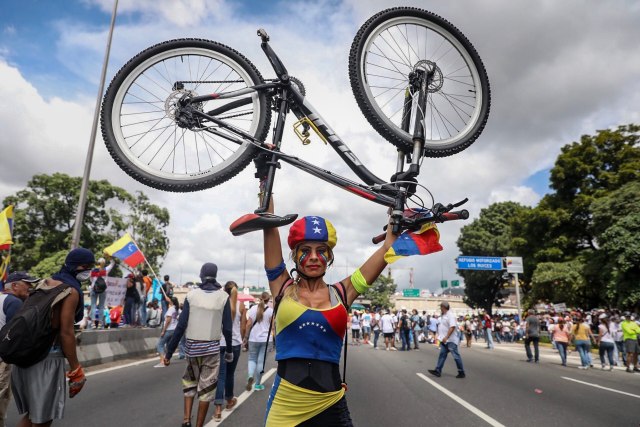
411, 293
444, 284
455, 283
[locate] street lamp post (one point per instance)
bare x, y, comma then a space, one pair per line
75, 240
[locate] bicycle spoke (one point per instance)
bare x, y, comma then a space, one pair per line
391, 61
398, 46
156, 139
455, 108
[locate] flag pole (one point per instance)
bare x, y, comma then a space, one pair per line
149, 265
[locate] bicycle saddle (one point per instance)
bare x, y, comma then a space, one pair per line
253, 222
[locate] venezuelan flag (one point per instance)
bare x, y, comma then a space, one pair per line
6, 228
422, 242
126, 250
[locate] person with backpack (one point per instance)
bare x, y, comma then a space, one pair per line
98, 288
16, 290
405, 330
311, 323
37, 341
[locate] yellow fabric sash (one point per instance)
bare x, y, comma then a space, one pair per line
293, 405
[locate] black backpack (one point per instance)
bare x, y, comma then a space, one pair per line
421, 322
406, 323
28, 337
100, 285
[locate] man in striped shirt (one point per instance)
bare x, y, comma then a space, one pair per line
205, 318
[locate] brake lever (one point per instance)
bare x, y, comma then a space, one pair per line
460, 203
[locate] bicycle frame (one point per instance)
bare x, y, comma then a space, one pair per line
288, 98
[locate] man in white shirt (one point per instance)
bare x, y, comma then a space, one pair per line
449, 340
388, 329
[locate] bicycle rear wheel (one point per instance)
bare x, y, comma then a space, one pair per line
397, 41
140, 123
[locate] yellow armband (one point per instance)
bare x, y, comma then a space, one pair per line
359, 282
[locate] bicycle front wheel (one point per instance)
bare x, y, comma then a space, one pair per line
149, 138
393, 44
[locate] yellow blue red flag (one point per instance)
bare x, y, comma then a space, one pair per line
125, 249
421, 242
6, 228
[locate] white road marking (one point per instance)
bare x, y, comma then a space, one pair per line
603, 388
244, 396
571, 357
126, 365
462, 402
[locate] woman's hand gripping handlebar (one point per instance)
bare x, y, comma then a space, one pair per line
414, 219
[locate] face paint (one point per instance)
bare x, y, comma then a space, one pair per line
323, 257
303, 256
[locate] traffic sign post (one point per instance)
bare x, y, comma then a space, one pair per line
479, 263
411, 293
513, 265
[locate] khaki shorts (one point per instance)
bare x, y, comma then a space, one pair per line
201, 377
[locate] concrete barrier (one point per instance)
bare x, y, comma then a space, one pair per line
107, 345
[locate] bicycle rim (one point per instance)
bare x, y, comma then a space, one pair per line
144, 115
454, 99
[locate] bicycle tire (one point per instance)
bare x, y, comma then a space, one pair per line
424, 24
165, 64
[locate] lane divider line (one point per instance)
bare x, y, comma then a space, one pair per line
126, 365
470, 407
572, 357
601, 387
244, 396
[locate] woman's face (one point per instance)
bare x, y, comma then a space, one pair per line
312, 258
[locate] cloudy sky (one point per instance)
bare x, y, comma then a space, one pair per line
558, 69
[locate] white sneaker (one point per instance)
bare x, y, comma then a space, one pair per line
159, 365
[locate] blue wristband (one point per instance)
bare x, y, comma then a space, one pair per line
275, 272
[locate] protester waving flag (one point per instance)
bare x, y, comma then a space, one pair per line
6, 228
421, 242
126, 250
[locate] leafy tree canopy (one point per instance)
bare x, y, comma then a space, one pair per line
380, 291
488, 235
45, 214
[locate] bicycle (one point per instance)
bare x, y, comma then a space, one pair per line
179, 105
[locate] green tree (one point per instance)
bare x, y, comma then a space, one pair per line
555, 282
380, 291
594, 182
616, 262
488, 235
45, 214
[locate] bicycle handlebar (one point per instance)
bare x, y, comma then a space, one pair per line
439, 214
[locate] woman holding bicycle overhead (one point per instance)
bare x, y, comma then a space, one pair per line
310, 323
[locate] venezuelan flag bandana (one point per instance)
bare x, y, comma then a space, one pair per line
421, 242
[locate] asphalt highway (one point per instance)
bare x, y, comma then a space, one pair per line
387, 388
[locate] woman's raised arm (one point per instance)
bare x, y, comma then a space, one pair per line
273, 260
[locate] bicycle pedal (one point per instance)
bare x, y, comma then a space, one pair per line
253, 222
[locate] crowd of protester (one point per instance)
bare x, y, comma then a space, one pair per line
614, 333
151, 303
